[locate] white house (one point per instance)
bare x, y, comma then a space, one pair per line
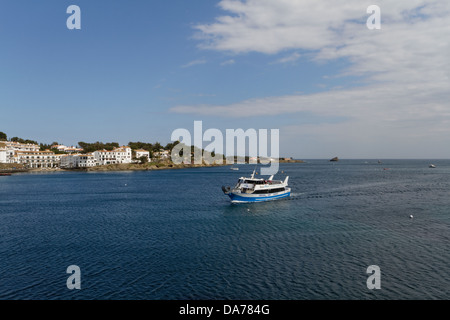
37, 159
162, 154
3, 156
67, 161
64, 148
73, 150
123, 154
118, 155
78, 161
11, 145
9, 150
86, 160
142, 153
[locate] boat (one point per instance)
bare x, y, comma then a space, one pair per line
432, 166
5, 174
334, 159
234, 168
257, 189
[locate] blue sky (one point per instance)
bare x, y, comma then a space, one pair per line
138, 70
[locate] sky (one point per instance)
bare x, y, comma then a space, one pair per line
137, 70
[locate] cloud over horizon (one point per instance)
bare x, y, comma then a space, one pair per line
404, 67
194, 63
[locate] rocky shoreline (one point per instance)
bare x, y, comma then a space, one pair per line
120, 167
291, 161
144, 167
110, 168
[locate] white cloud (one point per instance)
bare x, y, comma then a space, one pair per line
272, 26
413, 42
228, 62
290, 58
405, 65
393, 103
194, 63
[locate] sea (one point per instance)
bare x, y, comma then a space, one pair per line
351, 230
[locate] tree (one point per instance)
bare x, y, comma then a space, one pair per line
3, 136
171, 145
156, 147
143, 159
140, 145
91, 147
19, 140
43, 147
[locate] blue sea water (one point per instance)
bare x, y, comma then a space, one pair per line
174, 235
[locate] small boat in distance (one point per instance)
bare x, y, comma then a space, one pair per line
234, 168
432, 166
5, 174
257, 189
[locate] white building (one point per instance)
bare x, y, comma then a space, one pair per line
11, 145
59, 147
9, 149
78, 161
123, 154
142, 153
3, 156
73, 150
67, 161
116, 156
64, 148
162, 154
37, 159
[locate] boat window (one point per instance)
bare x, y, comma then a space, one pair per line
269, 191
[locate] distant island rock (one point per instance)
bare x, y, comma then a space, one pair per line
335, 159
290, 160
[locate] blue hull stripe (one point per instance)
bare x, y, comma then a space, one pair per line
238, 198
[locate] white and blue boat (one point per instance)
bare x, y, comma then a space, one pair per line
257, 189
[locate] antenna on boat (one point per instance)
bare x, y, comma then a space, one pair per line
254, 170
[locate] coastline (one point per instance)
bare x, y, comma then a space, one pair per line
110, 168
142, 167
121, 167
291, 161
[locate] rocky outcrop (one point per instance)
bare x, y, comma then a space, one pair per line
147, 166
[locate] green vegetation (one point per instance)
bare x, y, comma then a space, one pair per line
171, 145
91, 147
156, 147
25, 141
160, 165
141, 145
143, 159
43, 147
153, 148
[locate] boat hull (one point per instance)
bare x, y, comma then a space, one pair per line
246, 198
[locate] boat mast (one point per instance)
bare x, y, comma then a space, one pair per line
254, 170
